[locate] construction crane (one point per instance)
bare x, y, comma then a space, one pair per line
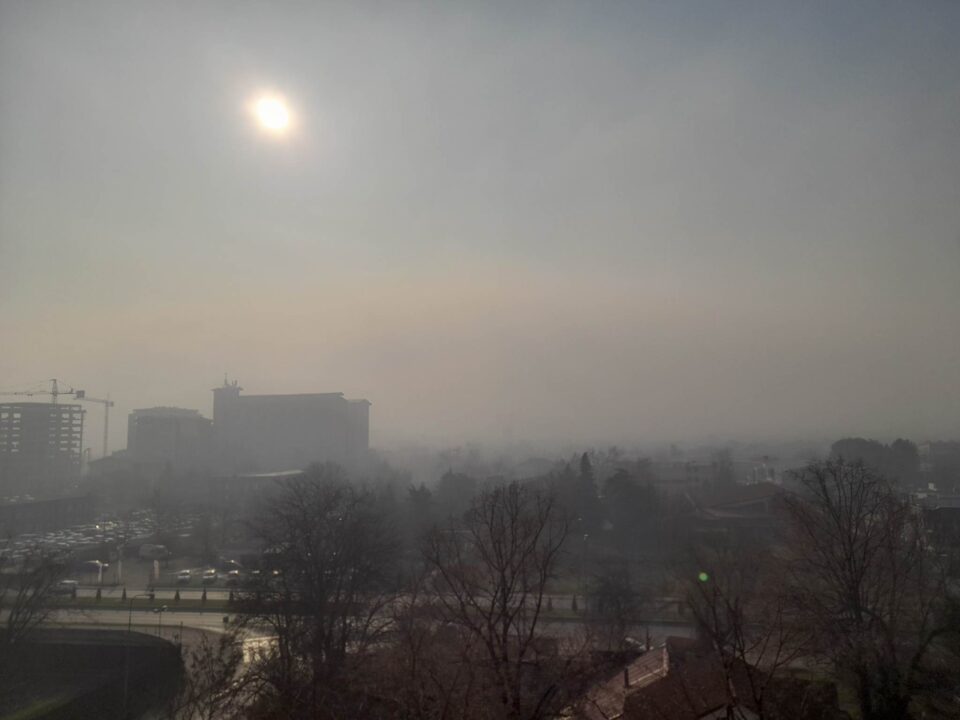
54, 392
107, 404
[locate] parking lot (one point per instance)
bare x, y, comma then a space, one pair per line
107, 533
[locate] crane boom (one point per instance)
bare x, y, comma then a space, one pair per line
54, 392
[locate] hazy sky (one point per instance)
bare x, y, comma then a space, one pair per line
575, 221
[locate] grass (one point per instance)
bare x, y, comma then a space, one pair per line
37, 709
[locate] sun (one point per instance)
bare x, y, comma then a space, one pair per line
272, 114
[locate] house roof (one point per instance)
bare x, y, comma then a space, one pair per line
685, 680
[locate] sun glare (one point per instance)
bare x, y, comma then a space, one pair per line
272, 114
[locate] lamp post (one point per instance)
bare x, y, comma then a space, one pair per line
126, 658
583, 572
160, 611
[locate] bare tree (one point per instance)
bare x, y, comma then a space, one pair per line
324, 593
738, 602
215, 682
866, 585
489, 576
26, 593
620, 602
431, 667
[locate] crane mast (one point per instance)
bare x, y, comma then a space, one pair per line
107, 404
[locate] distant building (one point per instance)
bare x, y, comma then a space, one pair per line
40, 445
172, 436
268, 433
751, 512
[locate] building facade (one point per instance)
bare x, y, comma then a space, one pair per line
40, 447
272, 433
178, 437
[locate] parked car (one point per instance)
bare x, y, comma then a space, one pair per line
209, 576
66, 587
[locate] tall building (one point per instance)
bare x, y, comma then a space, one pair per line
264, 433
178, 437
40, 446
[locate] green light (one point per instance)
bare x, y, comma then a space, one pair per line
703, 577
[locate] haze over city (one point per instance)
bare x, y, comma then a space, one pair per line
550, 222
541, 360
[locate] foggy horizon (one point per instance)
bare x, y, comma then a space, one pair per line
549, 224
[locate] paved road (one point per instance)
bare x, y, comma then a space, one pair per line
169, 623
140, 620
167, 593
668, 607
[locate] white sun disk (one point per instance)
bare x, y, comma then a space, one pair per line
272, 114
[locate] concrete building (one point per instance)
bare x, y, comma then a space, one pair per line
268, 433
172, 436
40, 446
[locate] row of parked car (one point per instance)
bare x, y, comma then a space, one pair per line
106, 531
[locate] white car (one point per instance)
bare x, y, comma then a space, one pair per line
183, 577
209, 576
66, 587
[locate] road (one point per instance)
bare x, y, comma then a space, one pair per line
170, 623
140, 620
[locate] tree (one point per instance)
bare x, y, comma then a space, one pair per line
898, 461
215, 684
433, 669
864, 583
490, 573
723, 470
635, 512
454, 493
25, 603
330, 576
619, 605
738, 602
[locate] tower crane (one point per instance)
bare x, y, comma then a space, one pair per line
107, 404
54, 392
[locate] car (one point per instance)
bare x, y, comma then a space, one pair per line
233, 577
209, 576
66, 587
183, 577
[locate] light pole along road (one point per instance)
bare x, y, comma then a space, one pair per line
126, 655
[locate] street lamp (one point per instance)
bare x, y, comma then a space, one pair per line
159, 611
583, 571
126, 658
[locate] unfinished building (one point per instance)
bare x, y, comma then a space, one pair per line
40, 448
